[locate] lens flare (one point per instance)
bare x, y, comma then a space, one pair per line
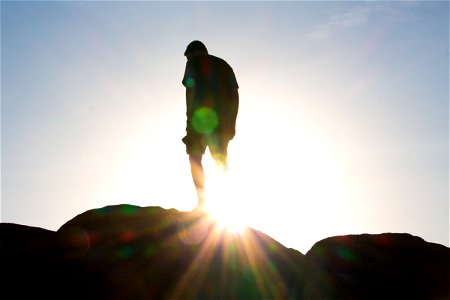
205, 120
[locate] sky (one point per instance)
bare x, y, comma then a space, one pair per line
343, 125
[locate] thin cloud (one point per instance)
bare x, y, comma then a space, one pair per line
357, 16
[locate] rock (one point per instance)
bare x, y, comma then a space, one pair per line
381, 266
27, 261
152, 253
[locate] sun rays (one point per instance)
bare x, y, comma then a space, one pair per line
226, 259
229, 253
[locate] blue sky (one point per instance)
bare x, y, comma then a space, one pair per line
342, 128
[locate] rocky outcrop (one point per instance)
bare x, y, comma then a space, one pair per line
382, 266
130, 252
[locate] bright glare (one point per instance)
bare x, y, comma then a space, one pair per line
292, 188
221, 198
295, 182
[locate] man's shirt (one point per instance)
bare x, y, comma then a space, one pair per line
213, 80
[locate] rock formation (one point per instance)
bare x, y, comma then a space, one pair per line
131, 252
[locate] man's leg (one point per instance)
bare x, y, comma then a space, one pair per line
198, 176
219, 152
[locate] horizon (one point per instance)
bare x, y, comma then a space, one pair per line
342, 127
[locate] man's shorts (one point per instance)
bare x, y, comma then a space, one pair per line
196, 144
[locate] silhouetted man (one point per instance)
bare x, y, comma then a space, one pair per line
212, 101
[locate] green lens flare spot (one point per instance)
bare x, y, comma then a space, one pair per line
204, 120
128, 209
189, 82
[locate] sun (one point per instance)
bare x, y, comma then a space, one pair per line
222, 204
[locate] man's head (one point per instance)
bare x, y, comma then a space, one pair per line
195, 48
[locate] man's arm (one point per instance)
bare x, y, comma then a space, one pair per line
190, 92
